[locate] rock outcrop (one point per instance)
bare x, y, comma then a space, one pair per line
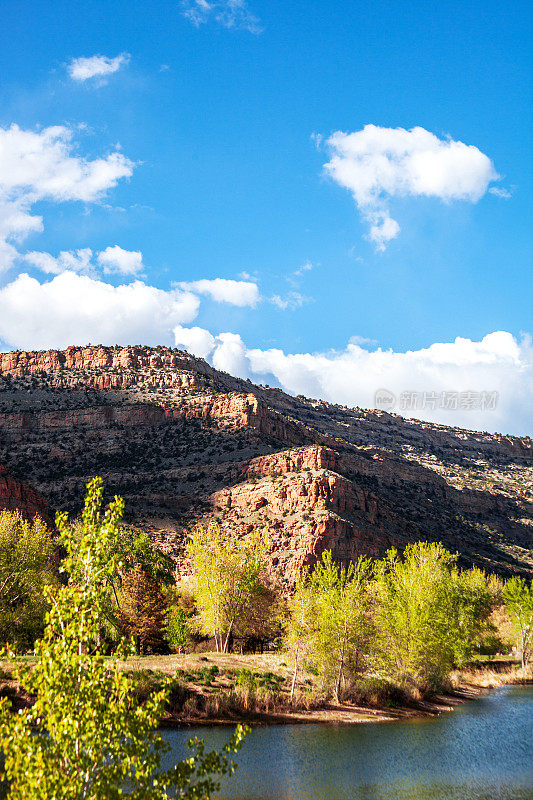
184, 443
16, 496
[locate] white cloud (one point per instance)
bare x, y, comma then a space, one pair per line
498, 363
83, 69
76, 309
42, 165
222, 290
228, 13
291, 301
194, 340
123, 262
376, 164
68, 260
499, 192
112, 260
230, 355
307, 267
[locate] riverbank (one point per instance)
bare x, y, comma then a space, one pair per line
482, 750
221, 689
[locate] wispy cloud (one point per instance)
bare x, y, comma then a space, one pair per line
505, 194
307, 267
290, 301
228, 13
84, 69
376, 164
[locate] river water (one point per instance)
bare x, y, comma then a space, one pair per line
483, 750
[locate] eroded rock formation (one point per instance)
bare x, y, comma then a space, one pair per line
184, 444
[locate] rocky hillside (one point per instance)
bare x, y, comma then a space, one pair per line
184, 443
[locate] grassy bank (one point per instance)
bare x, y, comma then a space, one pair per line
215, 688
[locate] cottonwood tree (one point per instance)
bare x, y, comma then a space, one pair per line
430, 615
468, 599
85, 736
229, 571
518, 598
410, 613
299, 626
27, 557
176, 632
339, 601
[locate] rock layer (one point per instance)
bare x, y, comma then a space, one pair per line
184, 444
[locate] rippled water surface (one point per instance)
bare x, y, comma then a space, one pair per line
481, 751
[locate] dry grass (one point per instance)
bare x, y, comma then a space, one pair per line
268, 662
490, 678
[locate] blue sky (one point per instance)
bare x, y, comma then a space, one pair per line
216, 121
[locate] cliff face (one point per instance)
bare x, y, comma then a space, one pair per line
184, 444
15, 495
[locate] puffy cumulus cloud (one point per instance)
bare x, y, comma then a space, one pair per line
228, 13
42, 165
222, 290
112, 260
83, 69
195, 340
123, 262
76, 309
67, 261
497, 364
226, 351
376, 163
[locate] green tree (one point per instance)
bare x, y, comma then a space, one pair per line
136, 548
26, 566
468, 599
130, 552
412, 626
518, 598
85, 737
176, 631
299, 626
229, 572
341, 619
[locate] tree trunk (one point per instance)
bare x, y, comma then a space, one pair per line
225, 648
293, 684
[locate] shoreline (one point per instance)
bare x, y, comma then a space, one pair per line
203, 705
331, 714
354, 714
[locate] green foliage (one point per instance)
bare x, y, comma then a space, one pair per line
258, 680
405, 621
429, 614
86, 736
298, 627
467, 601
176, 632
518, 598
339, 621
230, 573
26, 566
137, 548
